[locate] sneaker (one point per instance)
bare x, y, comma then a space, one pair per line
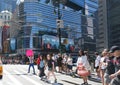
84, 83
98, 78
48, 81
55, 81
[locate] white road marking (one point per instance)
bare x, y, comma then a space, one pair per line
13, 79
29, 79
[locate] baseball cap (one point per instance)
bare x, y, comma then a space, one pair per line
114, 48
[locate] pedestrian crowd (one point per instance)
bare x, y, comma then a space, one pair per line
107, 66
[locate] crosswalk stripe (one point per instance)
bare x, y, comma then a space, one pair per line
13, 79
27, 78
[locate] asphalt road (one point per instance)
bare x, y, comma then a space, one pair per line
17, 75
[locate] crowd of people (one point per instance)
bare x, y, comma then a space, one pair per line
107, 65
11, 60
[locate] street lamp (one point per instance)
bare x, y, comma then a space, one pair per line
56, 3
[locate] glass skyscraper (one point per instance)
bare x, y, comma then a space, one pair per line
39, 30
91, 6
109, 27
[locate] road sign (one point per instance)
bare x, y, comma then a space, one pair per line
59, 23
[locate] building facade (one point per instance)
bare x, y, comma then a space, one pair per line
39, 26
5, 16
89, 26
39, 21
108, 24
91, 6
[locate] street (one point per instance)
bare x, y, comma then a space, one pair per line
17, 75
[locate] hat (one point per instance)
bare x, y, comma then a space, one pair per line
114, 48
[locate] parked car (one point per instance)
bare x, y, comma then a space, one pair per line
1, 69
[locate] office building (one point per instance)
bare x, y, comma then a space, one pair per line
39, 32
5, 16
108, 24
39, 26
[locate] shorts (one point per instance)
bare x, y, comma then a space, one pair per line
106, 78
69, 67
97, 67
50, 69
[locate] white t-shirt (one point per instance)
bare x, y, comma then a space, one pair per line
31, 59
102, 63
97, 61
84, 61
69, 61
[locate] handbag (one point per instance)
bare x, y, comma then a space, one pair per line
81, 71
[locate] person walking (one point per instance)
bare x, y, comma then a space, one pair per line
103, 64
41, 67
82, 59
69, 65
59, 61
31, 64
97, 62
110, 69
38, 63
50, 64
115, 76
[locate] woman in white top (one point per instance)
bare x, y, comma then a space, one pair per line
83, 59
97, 63
103, 65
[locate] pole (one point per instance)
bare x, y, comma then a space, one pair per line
59, 29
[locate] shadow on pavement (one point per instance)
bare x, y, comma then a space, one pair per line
72, 82
57, 84
94, 80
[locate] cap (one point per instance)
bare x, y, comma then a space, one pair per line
114, 48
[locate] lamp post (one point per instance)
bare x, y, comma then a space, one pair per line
56, 3
59, 29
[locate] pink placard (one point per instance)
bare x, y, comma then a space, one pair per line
29, 53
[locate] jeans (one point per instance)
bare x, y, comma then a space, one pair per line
42, 72
31, 65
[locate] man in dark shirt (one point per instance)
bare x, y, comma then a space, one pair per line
116, 76
110, 68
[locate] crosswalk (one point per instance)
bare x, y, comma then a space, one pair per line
17, 75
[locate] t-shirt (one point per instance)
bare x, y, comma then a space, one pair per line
110, 67
59, 60
31, 59
50, 63
42, 64
84, 61
69, 61
102, 61
117, 65
97, 61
